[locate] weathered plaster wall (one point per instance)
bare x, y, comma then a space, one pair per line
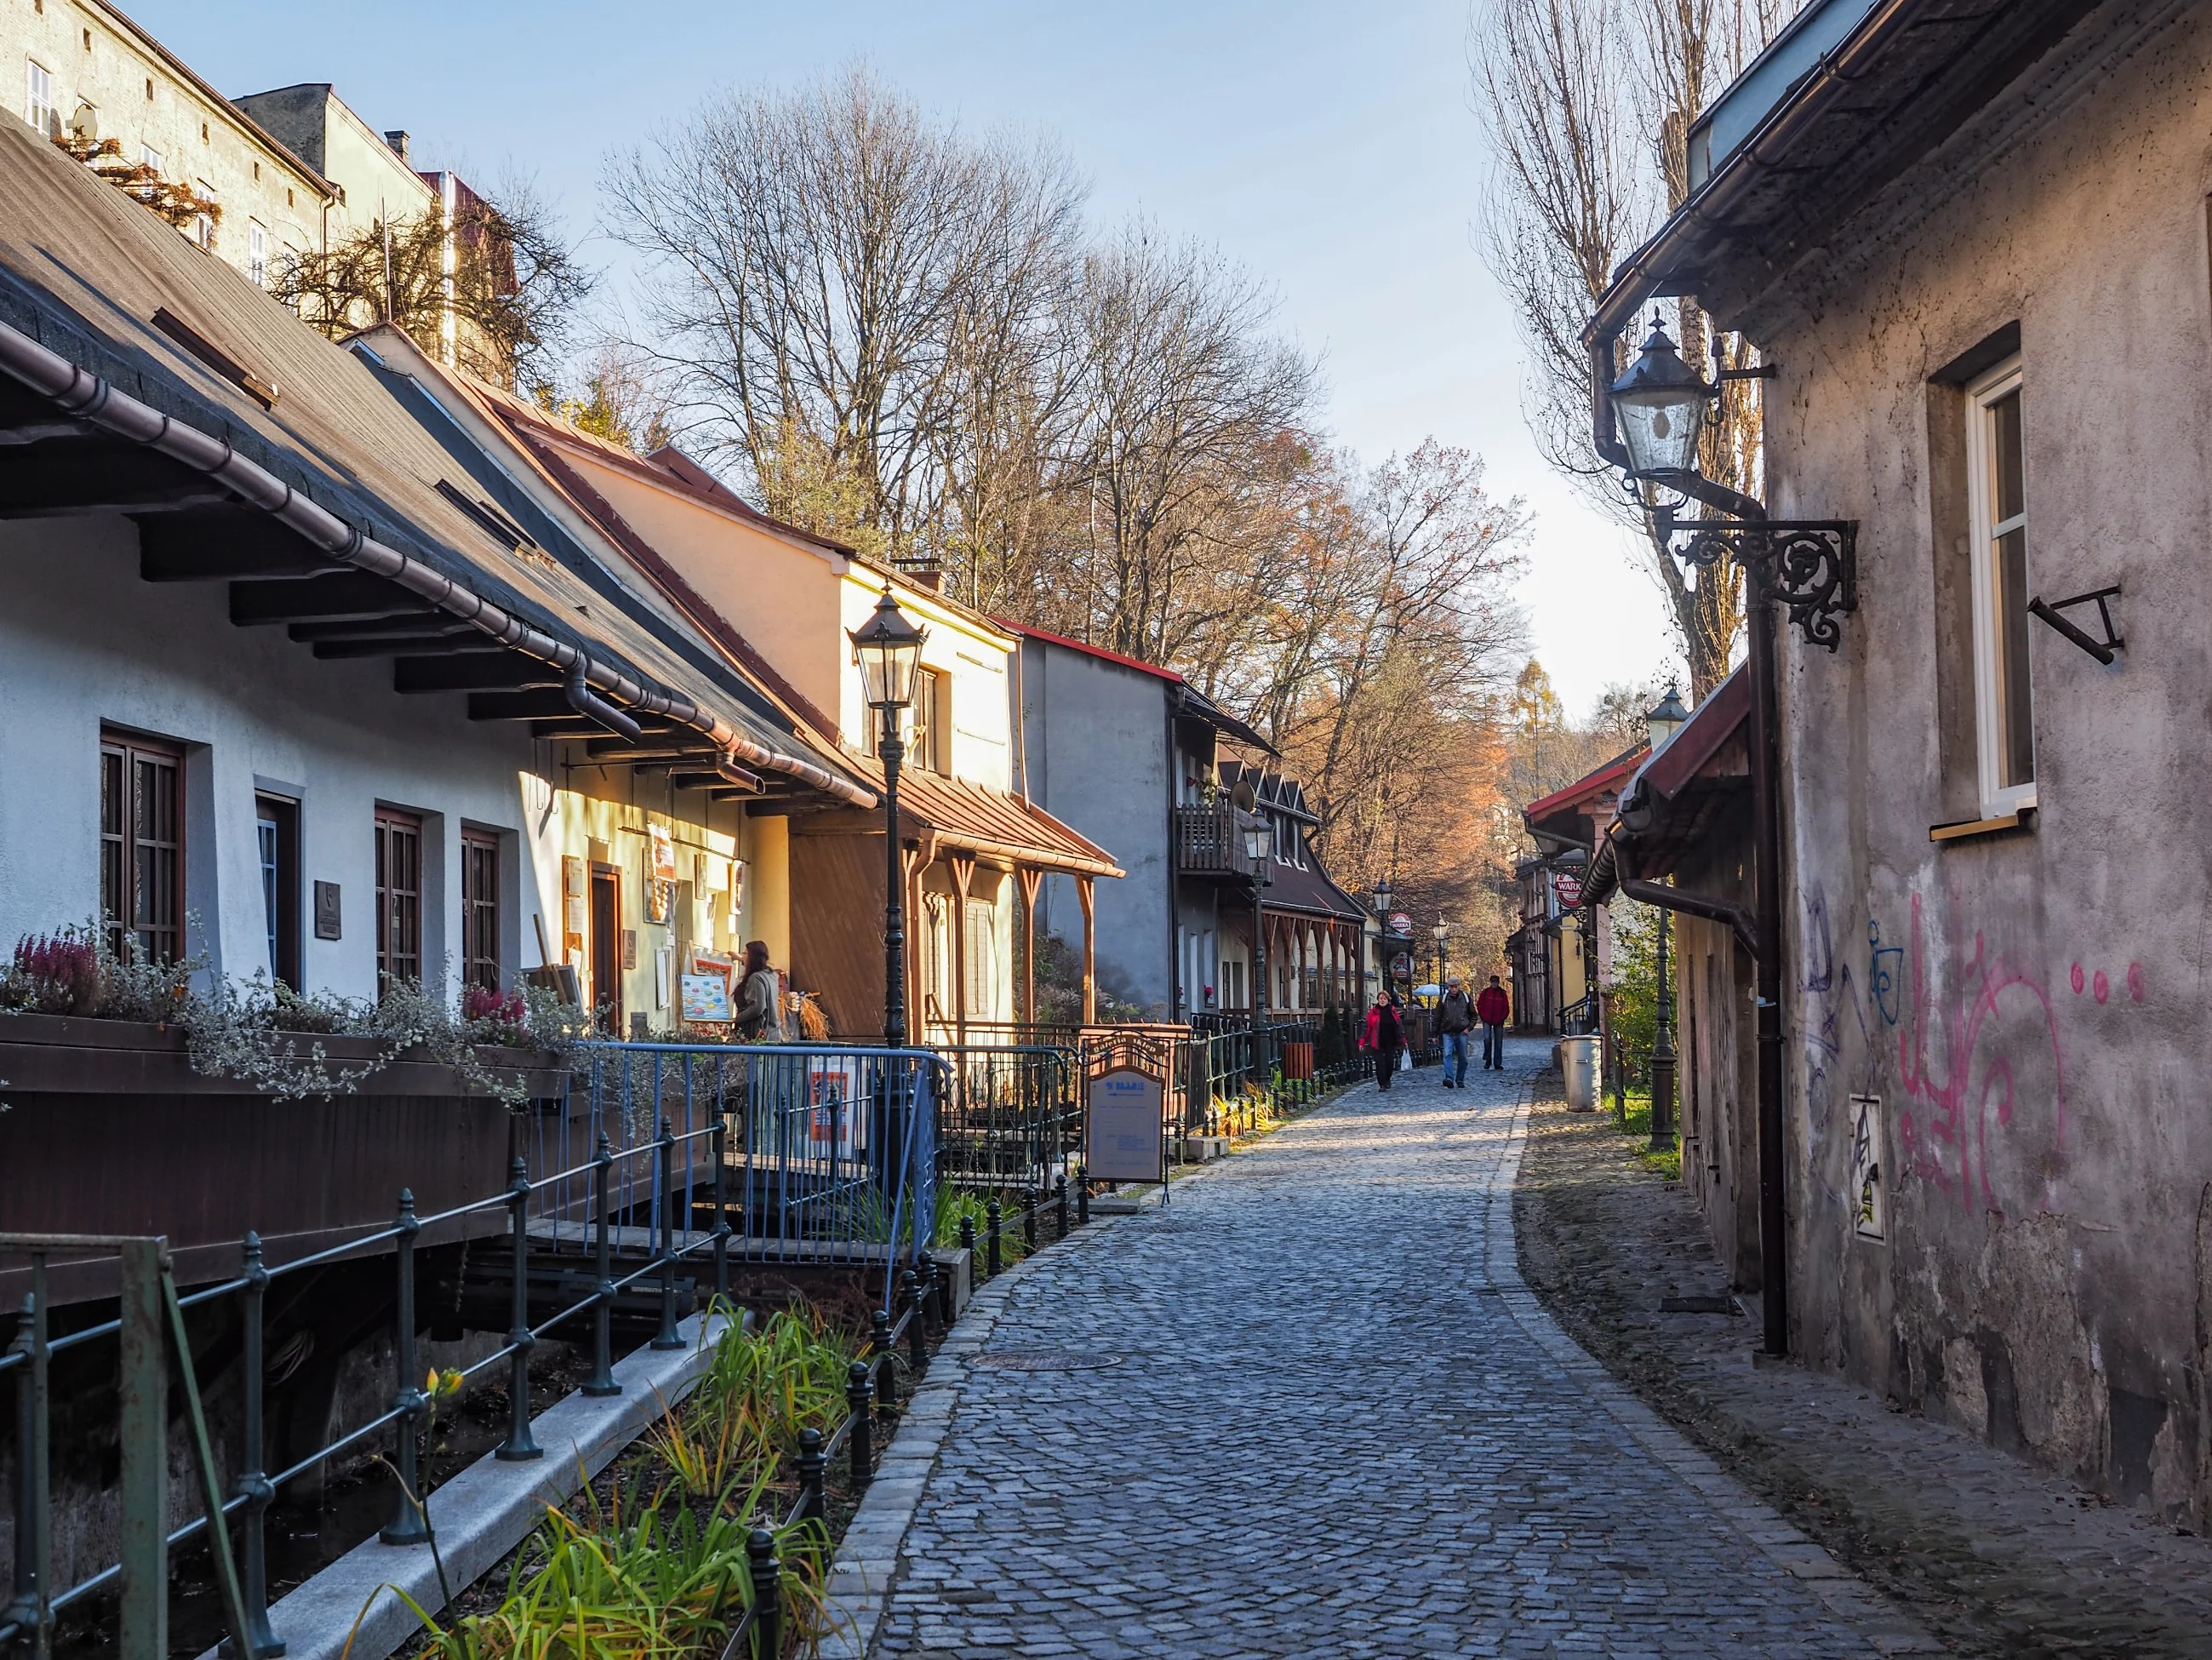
2029, 1007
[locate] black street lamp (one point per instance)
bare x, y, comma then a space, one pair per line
1648, 423
1260, 850
1440, 934
1662, 722
1384, 893
887, 648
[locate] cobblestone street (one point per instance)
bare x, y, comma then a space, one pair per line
1309, 1409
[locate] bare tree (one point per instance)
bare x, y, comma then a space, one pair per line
1191, 425
825, 267
1589, 105
502, 310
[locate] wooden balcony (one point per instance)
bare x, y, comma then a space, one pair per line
1208, 841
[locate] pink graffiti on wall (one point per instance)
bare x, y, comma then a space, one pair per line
1949, 1141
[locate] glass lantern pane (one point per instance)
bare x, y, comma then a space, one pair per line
1660, 435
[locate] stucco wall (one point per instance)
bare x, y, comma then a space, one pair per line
1095, 736
2028, 1007
84, 641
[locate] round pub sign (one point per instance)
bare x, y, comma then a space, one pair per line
1569, 889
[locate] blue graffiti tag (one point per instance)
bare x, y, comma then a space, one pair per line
1884, 960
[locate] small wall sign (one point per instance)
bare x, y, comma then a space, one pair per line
327, 917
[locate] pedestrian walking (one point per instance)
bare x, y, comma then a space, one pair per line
1384, 1038
1455, 1021
760, 998
1493, 1008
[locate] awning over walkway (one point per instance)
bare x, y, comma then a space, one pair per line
1677, 796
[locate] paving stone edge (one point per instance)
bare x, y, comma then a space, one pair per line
1848, 1597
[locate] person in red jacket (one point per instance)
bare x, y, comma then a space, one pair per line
1383, 1037
1493, 1008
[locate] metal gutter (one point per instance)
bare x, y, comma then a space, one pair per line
98, 403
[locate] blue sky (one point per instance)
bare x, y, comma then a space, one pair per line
1329, 147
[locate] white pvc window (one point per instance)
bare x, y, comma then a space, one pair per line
39, 98
2004, 704
257, 254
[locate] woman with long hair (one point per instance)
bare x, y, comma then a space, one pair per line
760, 998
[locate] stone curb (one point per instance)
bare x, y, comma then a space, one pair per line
353, 1608
1845, 1594
867, 1557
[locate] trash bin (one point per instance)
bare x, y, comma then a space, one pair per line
1578, 1060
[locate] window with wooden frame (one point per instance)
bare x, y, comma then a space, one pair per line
398, 897
276, 829
141, 847
931, 745
480, 922
1996, 505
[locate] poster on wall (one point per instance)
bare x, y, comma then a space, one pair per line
659, 873
1870, 1218
1125, 1137
832, 1127
706, 999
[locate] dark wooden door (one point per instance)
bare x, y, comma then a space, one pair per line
606, 950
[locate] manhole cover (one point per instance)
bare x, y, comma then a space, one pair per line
1047, 1360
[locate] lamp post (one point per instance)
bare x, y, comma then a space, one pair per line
1259, 849
1384, 893
887, 648
1648, 423
1662, 723
1441, 932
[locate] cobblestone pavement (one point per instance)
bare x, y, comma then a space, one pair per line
1335, 1424
1994, 1555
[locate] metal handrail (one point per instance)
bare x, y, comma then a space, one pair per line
901, 1072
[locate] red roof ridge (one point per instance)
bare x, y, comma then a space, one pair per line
1026, 632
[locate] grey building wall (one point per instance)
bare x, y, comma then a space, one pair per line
2027, 1009
1095, 751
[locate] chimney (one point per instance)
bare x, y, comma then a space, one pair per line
398, 140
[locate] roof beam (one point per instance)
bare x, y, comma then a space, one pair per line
401, 645
547, 704
346, 594
63, 478
224, 544
475, 670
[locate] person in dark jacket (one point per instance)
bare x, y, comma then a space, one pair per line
1383, 1037
1455, 1020
1493, 1008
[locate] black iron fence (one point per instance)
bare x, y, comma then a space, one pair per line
823, 1153
660, 1167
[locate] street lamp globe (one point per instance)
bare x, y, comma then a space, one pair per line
1383, 894
887, 648
1660, 406
1441, 932
1666, 720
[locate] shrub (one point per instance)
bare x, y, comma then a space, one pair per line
57, 973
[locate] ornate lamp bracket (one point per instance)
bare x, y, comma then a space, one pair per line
1810, 565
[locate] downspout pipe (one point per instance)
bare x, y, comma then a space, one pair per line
96, 402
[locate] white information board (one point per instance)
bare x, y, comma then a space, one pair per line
1124, 1136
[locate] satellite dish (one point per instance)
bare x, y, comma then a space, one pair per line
85, 124
1244, 796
